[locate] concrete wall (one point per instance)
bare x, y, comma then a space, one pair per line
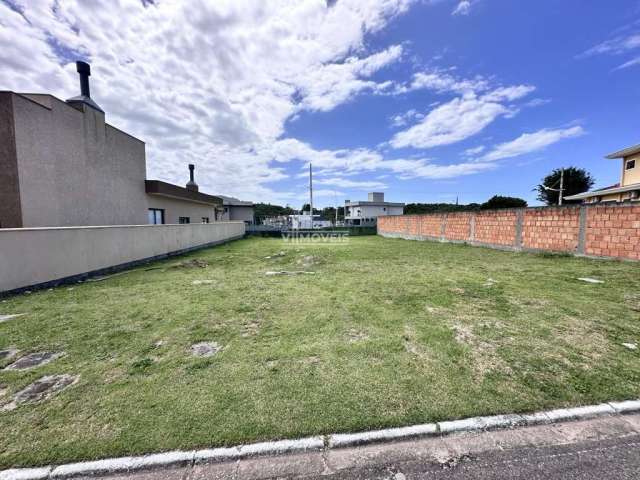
32, 256
73, 168
10, 211
174, 208
611, 231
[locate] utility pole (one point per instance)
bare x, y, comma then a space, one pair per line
561, 186
311, 193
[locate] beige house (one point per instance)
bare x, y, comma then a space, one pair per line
61, 164
628, 190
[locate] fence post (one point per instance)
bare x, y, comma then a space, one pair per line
443, 227
519, 226
472, 227
582, 231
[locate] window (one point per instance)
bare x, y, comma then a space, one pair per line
184, 220
205, 219
631, 164
156, 216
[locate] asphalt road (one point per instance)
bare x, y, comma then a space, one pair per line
614, 459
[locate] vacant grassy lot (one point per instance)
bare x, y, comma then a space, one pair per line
386, 333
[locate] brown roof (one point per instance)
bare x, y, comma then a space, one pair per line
164, 189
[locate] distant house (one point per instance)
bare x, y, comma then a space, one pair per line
628, 190
366, 213
301, 222
235, 209
62, 164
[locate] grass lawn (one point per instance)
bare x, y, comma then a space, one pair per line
386, 333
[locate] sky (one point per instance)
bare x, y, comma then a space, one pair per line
424, 100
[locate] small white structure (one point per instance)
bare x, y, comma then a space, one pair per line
365, 214
302, 222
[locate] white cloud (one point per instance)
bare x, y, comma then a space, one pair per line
619, 45
616, 46
463, 8
442, 82
631, 63
403, 119
460, 118
346, 183
450, 123
530, 142
472, 152
210, 83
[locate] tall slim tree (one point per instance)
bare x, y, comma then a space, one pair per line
576, 180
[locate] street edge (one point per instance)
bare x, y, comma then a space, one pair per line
333, 441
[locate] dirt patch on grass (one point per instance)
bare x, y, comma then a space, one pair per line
205, 349
632, 301
579, 336
355, 336
413, 346
192, 263
483, 353
308, 261
250, 329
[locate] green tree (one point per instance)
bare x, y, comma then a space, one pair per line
576, 180
498, 201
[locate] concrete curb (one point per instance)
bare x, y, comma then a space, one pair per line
335, 441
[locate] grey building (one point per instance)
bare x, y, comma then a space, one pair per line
366, 213
235, 209
61, 164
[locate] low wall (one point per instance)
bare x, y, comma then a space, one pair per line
611, 231
31, 257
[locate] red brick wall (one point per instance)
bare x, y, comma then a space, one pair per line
496, 226
555, 229
613, 232
431, 225
458, 226
610, 230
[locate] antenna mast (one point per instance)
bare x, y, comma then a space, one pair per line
311, 193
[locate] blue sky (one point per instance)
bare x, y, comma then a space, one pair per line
425, 100
537, 43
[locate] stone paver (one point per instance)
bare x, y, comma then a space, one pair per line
205, 349
33, 360
4, 318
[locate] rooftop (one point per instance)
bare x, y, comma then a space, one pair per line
164, 189
624, 152
233, 201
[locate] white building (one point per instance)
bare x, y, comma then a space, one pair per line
365, 214
302, 222
234, 209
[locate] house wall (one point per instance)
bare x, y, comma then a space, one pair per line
593, 230
10, 209
46, 256
629, 177
73, 168
238, 212
175, 208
